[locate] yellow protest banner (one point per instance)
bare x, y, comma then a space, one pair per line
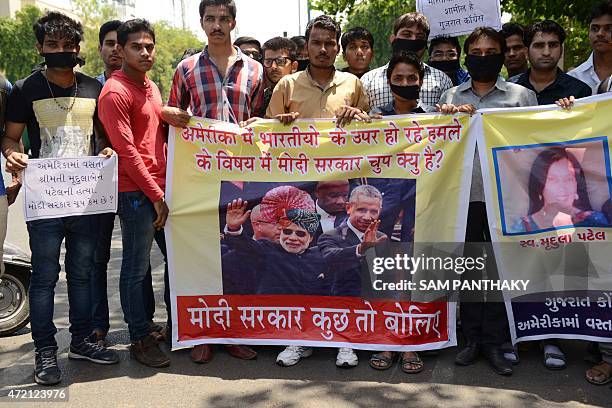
273, 229
548, 186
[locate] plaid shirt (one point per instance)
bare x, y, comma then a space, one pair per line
200, 87
435, 82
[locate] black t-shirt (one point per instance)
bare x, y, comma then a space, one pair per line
53, 131
563, 87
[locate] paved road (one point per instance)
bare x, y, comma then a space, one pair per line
228, 382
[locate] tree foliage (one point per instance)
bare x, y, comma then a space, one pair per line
574, 16
17, 52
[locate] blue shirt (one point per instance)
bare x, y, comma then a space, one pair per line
101, 78
5, 89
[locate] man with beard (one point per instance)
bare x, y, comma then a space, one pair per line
332, 197
320, 91
410, 33
544, 40
284, 267
484, 325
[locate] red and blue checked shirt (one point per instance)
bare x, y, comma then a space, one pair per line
199, 87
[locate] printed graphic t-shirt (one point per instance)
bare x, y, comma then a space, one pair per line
53, 131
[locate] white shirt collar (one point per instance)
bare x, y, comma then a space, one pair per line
355, 230
322, 212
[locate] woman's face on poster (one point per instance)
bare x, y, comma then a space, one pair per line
294, 239
560, 189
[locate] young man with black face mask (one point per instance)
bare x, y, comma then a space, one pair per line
484, 325
59, 106
302, 52
410, 33
444, 53
405, 76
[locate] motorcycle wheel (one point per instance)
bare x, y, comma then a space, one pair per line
14, 299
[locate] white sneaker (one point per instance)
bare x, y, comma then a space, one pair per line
346, 358
292, 354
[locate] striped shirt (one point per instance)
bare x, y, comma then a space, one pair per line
435, 82
199, 86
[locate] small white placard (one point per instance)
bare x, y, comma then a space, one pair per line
458, 17
56, 188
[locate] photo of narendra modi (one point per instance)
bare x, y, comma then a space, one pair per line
553, 186
310, 238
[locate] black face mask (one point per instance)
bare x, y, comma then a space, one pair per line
302, 64
410, 92
445, 66
484, 68
400, 44
62, 60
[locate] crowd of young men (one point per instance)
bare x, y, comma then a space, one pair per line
121, 112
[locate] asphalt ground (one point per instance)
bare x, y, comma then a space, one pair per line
316, 381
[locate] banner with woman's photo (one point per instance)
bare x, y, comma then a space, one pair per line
285, 235
548, 185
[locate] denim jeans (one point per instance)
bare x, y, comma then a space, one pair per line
137, 214
99, 294
46, 237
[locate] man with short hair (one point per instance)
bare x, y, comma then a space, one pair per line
410, 33
219, 83
484, 325
130, 108
108, 49
599, 65
250, 47
302, 51
59, 105
444, 53
357, 50
279, 60
321, 91
544, 40
516, 52
331, 198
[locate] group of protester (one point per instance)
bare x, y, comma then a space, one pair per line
68, 114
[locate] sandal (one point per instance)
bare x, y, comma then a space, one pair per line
380, 362
601, 371
412, 364
552, 351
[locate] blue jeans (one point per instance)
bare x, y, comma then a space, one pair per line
99, 293
137, 214
46, 237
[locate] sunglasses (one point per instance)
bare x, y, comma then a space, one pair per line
289, 232
280, 61
253, 54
